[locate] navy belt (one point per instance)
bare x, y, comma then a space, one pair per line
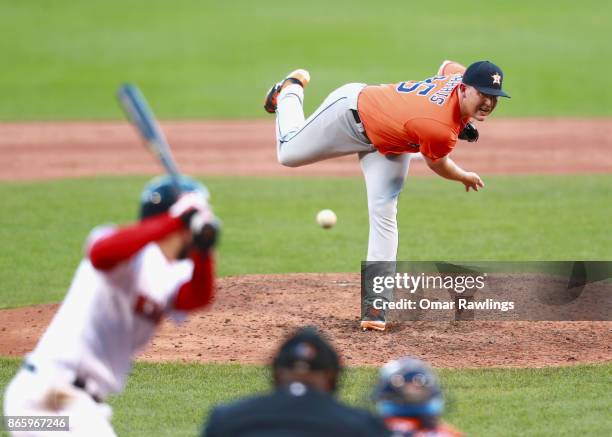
82, 384
29, 367
79, 382
358, 121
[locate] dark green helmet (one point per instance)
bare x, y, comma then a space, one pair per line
161, 193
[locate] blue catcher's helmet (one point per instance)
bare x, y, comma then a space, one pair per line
408, 387
161, 193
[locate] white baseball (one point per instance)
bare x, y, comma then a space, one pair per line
326, 218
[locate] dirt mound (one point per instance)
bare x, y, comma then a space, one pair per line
253, 313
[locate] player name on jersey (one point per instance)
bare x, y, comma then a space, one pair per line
440, 96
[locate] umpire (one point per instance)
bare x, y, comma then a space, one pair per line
302, 404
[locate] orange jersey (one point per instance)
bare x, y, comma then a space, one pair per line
409, 117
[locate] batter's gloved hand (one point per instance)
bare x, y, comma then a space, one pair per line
469, 133
192, 200
196, 214
205, 229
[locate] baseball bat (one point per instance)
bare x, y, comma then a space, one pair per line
140, 115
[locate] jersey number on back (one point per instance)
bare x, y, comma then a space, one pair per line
424, 87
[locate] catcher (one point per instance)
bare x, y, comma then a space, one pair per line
409, 399
130, 278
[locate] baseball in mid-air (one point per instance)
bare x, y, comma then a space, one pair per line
326, 218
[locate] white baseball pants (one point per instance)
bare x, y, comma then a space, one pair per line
332, 131
33, 394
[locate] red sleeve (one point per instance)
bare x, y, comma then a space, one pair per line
123, 243
435, 138
199, 291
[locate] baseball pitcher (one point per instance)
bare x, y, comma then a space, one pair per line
130, 278
385, 125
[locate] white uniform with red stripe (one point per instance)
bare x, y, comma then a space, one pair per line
106, 317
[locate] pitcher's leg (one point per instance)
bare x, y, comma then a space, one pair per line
384, 177
329, 132
289, 114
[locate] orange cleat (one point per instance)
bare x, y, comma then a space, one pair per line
373, 320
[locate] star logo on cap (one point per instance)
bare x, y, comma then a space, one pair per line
496, 78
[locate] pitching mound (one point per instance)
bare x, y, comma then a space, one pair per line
253, 313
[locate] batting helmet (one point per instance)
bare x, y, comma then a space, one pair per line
161, 193
408, 387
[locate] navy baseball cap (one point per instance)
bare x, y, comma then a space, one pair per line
307, 350
486, 77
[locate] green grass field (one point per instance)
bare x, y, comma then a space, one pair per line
527, 218
531, 402
194, 59
547, 217
63, 60
262, 216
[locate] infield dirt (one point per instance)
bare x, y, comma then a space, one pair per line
34, 151
253, 313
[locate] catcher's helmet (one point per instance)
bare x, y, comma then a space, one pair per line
408, 387
161, 193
